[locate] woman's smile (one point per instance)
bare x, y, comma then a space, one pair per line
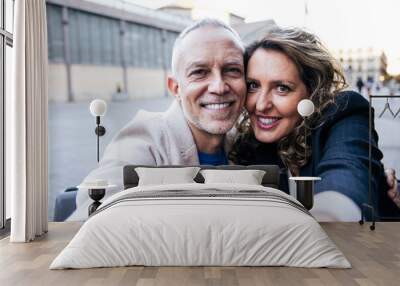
267, 122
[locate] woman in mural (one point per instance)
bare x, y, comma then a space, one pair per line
289, 65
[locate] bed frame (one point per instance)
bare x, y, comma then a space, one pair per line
270, 179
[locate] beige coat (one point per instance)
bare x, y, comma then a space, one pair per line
151, 138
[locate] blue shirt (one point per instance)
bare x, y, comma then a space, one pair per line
214, 159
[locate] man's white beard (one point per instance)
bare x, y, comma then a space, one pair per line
214, 128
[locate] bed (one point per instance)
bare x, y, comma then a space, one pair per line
201, 223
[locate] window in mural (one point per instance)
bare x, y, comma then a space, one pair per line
6, 43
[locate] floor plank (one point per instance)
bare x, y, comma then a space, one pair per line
374, 255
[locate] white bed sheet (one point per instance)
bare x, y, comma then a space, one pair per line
200, 231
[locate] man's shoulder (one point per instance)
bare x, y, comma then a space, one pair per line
145, 117
151, 119
146, 121
154, 128
142, 123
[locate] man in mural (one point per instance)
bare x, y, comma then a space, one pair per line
209, 87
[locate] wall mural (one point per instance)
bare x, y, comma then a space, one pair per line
140, 89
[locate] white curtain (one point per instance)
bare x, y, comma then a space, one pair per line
26, 119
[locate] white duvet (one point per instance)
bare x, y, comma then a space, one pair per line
209, 229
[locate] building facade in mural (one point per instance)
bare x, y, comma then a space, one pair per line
98, 49
364, 68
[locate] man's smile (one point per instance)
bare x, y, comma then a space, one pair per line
217, 106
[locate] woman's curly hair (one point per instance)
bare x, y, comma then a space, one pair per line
323, 78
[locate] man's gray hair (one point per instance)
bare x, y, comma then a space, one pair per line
207, 22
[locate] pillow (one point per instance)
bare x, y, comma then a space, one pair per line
163, 176
249, 177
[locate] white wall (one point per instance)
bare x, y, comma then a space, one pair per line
146, 83
58, 88
89, 82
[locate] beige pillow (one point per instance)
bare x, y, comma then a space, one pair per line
248, 177
165, 176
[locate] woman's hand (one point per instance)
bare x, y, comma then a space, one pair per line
393, 192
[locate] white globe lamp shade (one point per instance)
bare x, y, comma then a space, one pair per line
305, 107
98, 107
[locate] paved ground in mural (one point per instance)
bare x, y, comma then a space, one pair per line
72, 141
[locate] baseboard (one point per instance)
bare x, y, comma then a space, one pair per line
5, 231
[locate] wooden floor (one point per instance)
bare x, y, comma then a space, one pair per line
374, 255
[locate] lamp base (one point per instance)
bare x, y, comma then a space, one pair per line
305, 193
305, 190
96, 195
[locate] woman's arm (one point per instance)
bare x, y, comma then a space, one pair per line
344, 209
343, 162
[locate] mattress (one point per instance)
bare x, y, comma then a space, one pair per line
201, 225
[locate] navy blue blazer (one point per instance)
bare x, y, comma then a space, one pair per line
340, 148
